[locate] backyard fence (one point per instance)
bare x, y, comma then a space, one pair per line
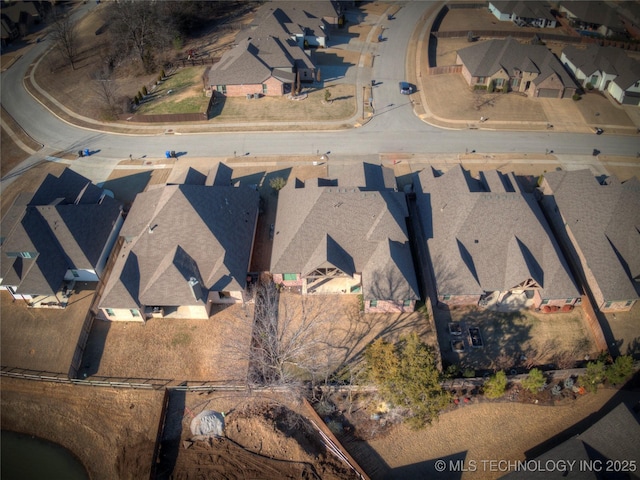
444, 69
94, 381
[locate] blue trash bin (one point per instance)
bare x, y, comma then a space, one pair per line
167, 154
86, 152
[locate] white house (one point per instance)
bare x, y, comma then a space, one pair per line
607, 69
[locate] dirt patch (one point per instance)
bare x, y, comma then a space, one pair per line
111, 431
179, 349
28, 333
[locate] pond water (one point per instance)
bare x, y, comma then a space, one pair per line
25, 458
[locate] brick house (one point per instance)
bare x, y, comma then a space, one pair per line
335, 238
185, 248
597, 222
507, 65
489, 243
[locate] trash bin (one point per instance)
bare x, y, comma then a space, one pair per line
167, 154
86, 152
373, 83
173, 154
80, 153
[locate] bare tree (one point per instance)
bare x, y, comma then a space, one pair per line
106, 92
289, 339
65, 37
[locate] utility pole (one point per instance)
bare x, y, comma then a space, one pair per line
363, 97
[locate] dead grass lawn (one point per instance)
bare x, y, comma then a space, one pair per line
273, 109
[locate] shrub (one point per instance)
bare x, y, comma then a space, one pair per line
327, 95
576, 97
277, 183
491, 87
534, 381
469, 373
144, 91
619, 370
589, 86
593, 376
496, 385
407, 376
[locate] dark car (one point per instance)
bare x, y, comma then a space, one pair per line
406, 88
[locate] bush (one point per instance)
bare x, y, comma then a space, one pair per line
593, 376
496, 385
327, 95
576, 97
491, 87
145, 92
589, 86
534, 381
619, 370
277, 183
407, 376
469, 373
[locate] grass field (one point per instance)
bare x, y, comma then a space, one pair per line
181, 92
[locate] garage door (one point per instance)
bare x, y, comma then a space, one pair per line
631, 98
549, 93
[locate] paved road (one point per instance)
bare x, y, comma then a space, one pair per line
394, 128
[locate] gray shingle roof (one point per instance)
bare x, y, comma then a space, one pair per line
360, 231
483, 240
611, 60
179, 232
487, 58
614, 437
595, 12
605, 222
65, 224
365, 176
522, 9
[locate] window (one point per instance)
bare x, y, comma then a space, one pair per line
446, 297
637, 84
568, 300
134, 312
224, 294
629, 303
27, 254
406, 303
75, 273
499, 82
544, 302
608, 304
594, 80
373, 303
110, 312
482, 80
290, 276
222, 89
264, 88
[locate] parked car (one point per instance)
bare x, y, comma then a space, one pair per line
406, 88
598, 131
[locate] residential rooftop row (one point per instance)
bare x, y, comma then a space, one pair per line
472, 241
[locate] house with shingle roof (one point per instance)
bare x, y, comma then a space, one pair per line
506, 64
607, 69
186, 247
592, 17
343, 239
60, 234
523, 13
273, 52
598, 223
488, 240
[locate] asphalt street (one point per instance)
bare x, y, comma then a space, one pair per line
393, 129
